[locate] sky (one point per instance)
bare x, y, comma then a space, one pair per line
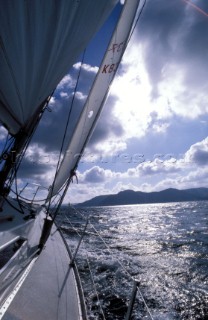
153, 131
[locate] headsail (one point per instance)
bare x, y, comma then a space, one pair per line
97, 95
39, 41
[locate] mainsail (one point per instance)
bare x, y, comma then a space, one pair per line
97, 96
39, 41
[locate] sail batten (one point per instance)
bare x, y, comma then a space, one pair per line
97, 96
40, 41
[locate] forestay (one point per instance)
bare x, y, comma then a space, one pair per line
97, 95
39, 41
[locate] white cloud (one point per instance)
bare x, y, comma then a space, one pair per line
198, 153
193, 179
183, 100
3, 133
132, 89
122, 186
86, 67
158, 166
135, 102
96, 174
159, 174
80, 96
66, 82
64, 95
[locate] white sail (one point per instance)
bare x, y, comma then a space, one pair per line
97, 95
39, 41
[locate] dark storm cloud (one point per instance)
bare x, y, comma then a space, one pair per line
32, 169
35, 164
174, 32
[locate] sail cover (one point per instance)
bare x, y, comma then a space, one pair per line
39, 41
97, 95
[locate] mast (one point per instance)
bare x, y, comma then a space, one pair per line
13, 156
97, 96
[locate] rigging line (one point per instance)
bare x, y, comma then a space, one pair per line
108, 248
196, 7
77, 232
92, 279
7, 144
27, 199
20, 156
61, 198
5, 147
88, 262
80, 240
138, 289
94, 287
11, 205
73, 228
17, 195
59, 202
146, 306
122, 266
66, 127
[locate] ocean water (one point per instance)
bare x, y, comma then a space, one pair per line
164, 247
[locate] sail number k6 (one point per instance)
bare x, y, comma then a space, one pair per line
108, 68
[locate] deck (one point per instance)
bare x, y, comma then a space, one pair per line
50, 289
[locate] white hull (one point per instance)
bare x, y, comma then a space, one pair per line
38, 286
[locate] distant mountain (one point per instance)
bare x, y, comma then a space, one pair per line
137, 197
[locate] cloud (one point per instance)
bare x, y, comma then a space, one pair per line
38, 165
66, 83
96, 175
157, 124
3, 133
171, 39
198, 153
163, 171
158, 166
192, 179
156, 61
65, 103
86, 67
157, 108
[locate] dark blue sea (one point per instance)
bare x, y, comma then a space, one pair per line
164, 247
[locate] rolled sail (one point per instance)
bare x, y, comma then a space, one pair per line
39, 41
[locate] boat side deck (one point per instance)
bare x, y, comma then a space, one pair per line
50, 290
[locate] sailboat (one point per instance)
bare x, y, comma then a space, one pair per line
39, 42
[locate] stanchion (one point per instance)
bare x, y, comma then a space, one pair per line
132, 300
